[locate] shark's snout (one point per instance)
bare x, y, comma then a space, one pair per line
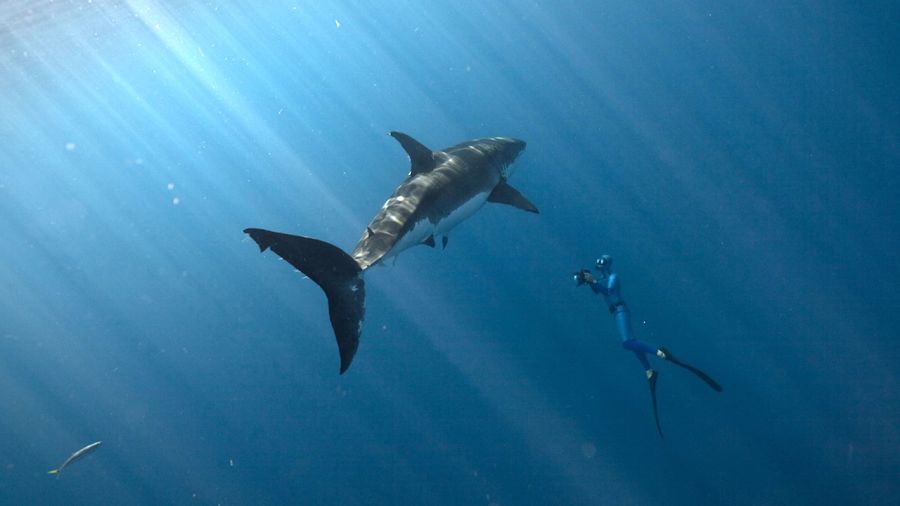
514, 147
509, 151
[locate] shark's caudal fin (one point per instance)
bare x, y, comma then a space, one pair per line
335, 271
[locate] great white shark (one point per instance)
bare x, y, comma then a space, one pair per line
443, 188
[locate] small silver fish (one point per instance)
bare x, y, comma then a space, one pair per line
77, 455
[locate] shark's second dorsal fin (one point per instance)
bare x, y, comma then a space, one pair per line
422, 158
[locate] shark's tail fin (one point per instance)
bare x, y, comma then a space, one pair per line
335, 271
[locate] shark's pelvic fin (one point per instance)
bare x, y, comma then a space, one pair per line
505, 194
420, 157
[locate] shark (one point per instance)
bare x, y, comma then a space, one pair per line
443, 188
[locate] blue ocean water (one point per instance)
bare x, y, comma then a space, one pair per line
738, 159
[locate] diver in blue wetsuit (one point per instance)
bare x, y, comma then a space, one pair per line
607, 284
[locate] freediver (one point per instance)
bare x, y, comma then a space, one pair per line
607, 284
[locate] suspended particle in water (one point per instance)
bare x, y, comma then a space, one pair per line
589, 450
337, 24
176, 201
70, 146
170, 186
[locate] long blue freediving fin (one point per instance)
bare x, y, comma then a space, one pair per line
654, 375
700, 374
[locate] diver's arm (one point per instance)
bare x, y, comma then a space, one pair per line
598, 287
584, 276
612, 284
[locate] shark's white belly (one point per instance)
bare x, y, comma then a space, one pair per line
424, 228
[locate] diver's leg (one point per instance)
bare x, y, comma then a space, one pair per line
642, 358
640, 349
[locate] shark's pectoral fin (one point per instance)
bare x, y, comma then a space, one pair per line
505, 194
429, 241
421, 158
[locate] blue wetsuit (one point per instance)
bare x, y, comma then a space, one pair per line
613, 297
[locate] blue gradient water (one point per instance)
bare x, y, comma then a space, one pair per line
739, 160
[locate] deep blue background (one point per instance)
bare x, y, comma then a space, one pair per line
738, 159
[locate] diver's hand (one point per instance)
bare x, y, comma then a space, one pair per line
588, 277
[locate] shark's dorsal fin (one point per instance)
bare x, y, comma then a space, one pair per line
505, 194
421, 158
